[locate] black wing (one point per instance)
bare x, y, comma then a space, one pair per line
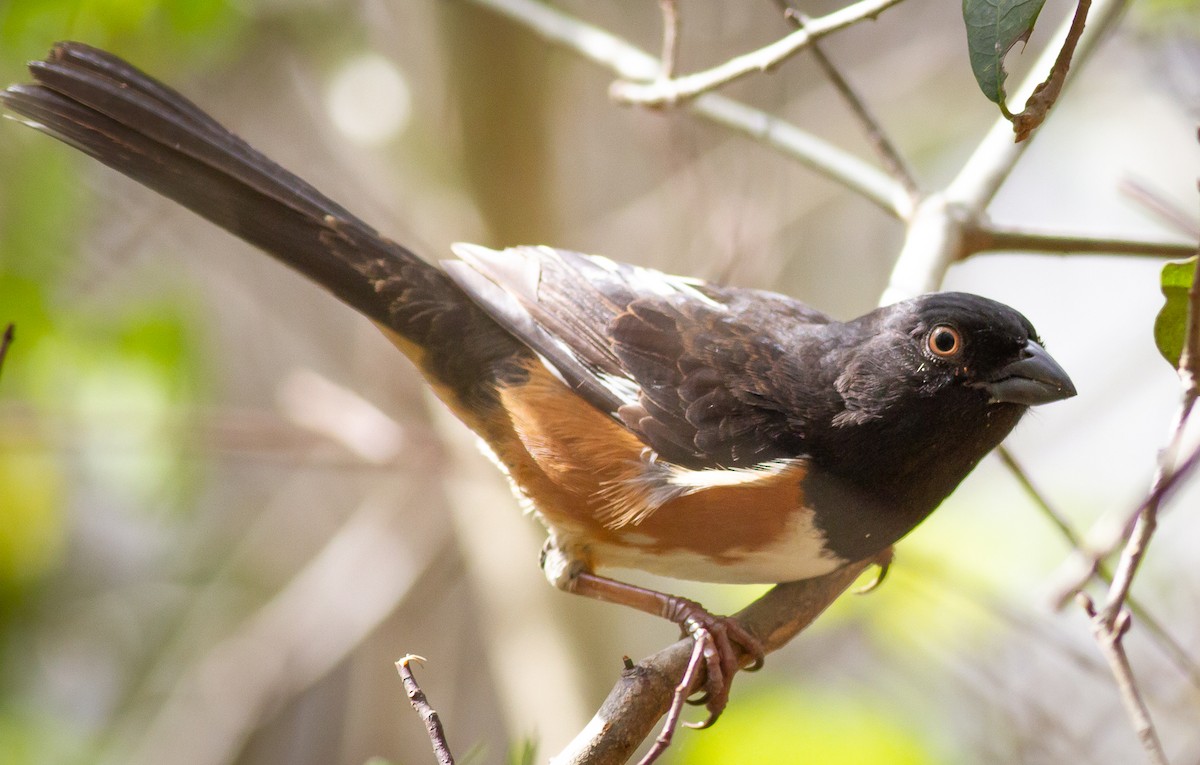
704, 375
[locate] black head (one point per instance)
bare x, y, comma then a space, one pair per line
927, 388
963, 354
931, 385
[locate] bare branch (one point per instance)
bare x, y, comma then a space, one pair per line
1037, 106
1109, 638
887, 152
1084, 567
680, 89
628, 61
1176, 653
416, 697
936, 236
989, 238
644, 691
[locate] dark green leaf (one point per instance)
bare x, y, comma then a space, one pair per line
993, 28
1171, 324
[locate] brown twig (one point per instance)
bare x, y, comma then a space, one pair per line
1110, 639
887, 152
1147, 518
1165, 481
1037, 106
1110, 623
1175, 652
680, 89
644, 692
5, 341
416, 697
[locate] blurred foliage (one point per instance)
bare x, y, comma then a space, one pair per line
523, 752
786, 725
106, 384
1176, 17
154, 32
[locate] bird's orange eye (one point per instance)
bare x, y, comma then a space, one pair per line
944, 340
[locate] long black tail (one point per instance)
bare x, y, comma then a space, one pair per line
110, 110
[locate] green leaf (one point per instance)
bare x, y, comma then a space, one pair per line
1171, 324
993, 28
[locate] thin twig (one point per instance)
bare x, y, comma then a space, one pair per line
1082, 569
1139, 525
1111, 622
1110, 639
1165, 210
883, 146
995, 157
629, 62
1143, 529
1037, 106
935, 240
1175, 652
990, 238
5, 341
670, 44
1138, 539
1039, 499
416, 697
680, 89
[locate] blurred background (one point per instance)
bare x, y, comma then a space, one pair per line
227, 505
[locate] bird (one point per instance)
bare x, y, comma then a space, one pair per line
653, 422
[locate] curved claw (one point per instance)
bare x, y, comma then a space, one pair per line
705, 723
884, 562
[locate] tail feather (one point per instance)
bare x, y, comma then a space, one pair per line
115, 113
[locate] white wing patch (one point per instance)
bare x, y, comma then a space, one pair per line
631, 499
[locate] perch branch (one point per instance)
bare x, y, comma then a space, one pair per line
644, 691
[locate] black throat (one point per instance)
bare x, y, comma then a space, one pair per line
876, 481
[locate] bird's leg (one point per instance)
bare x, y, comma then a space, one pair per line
716, 636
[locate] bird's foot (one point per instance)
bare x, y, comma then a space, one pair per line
719, 645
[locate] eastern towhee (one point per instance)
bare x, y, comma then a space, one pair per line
649, 421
